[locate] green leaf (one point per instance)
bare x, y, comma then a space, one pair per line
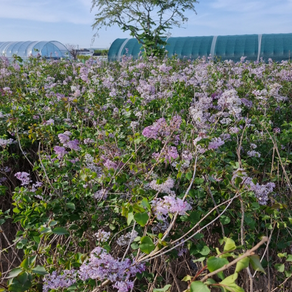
45, 230
146, 245
256, 264
214, 264
242, 264
39, 270
53, 223
187, 278
198, 286
60, 231
21, 283
289, 258
25, 264
70, 206
130, 218
229, 284
141, 218
205, 250
229, 244
14, 273
280, 267
224, 220
164, 289
146, 204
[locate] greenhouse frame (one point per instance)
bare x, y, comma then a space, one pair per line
46, 49
254, 47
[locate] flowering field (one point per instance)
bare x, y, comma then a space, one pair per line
148, 175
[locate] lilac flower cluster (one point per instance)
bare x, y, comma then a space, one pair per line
215, 143
162, 207
169, 153
23, 177
101, 194
60, 151
102, 236
253, 153
65, 140
102, 266
5, 142
127, 238
164, 187
56, 281
261, 191
161, 129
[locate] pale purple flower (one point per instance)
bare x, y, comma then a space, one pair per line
49, 122
234, 130
35, 186
23, 177
73, 145
101, 194
162, 207
109, 164
5, 142
2, 179
55, 281
164, 187
215, 143
261, 191
102, 236
63, 138
127, 238
88, 141
168, 154
60, 151
7, 90
102, 266
253, 153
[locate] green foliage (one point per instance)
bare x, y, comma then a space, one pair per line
147, 21
117, 180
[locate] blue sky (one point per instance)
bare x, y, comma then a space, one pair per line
69, 21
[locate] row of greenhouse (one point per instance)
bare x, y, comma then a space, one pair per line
254, 47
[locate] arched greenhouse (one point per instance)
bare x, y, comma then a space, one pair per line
47, 49
278, 47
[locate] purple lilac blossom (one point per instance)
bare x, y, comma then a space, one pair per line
49, 122
110, 164
35, 186
102, 266
88, 141
253, 153
23, 177
261, 191
63, 138
164, 187
101, 194
60, 151
73, 145
102, 236
5, 142
127, 238
55, 281
169, 205
215, 143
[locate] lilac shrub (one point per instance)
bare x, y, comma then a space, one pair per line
130, 156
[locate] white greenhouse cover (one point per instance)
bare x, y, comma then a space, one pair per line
47, 49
